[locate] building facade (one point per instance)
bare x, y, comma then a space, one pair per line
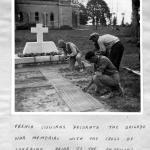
51, 13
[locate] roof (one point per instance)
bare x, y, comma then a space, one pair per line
61, 2
42, 1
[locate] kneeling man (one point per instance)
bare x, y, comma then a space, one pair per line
71, 50
106, 74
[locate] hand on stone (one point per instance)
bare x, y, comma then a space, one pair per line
64, 57
67, 57
94, 77
85, 89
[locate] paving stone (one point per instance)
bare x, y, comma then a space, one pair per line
75, 98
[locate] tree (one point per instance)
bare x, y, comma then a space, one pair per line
16, 10
83, 14
114, 21
135, 18
98, 11
110, 22
122, 22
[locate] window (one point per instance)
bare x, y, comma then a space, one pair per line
20, 16
51, 17
36, 16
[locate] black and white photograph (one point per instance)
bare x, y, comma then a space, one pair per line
77, 56
74, 75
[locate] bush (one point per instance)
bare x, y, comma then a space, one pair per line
24, 26
38, 54
66, 27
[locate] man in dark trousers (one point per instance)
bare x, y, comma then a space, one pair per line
106, 74
109, 46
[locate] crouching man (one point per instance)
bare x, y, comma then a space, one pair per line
106, 74
71, 50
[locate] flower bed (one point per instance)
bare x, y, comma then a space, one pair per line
38, 54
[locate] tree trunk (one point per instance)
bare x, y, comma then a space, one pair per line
93, 21
135, 18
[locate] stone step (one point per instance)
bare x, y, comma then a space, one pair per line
38, 59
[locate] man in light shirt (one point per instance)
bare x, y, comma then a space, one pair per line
71, 50
110, 46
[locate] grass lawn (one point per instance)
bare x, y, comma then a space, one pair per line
80, 38
130, 82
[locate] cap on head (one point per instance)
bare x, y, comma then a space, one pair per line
61, 43
94, 35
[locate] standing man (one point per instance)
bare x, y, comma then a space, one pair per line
109, 46
106, 74
71, 50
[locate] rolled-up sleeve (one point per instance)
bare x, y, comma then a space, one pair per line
101, 46
73, 49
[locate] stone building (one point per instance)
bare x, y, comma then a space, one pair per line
52, 13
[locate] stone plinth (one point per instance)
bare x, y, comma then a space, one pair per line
44, 47
25, 60
38, 59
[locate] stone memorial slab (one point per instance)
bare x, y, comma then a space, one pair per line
44, 47
40, 46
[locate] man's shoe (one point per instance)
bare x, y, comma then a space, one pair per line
97, 93
107, 96
81, 70
121, 92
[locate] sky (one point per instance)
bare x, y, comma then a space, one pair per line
119, 7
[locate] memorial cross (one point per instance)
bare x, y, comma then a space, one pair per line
39, 30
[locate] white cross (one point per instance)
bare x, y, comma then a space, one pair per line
39, 30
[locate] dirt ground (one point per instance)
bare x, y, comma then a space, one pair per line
130, 83
39, 99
